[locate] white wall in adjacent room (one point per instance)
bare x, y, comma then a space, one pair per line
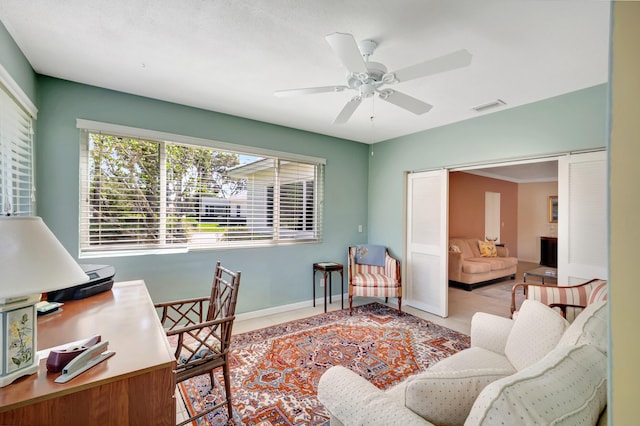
533, 220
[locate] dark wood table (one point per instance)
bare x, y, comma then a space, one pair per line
327, 268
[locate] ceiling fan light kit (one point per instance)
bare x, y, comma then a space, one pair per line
367, 77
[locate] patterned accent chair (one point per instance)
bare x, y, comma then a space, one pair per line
374, 281
569, 300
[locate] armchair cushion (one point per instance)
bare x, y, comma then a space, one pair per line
535, 331
373, 280
446, 397
590, 327
490, 331
471, 358
567, 387
372, 406
194, 343
368, 254
200, 354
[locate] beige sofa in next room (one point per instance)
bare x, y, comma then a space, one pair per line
469, 268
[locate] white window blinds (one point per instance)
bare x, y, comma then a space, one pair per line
16, 157
146, 195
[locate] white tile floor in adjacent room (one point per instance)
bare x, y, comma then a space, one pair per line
462, 305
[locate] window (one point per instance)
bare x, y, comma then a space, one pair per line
16, 156
296, 206
146, 194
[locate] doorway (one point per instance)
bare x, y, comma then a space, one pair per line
569, 168
522, 216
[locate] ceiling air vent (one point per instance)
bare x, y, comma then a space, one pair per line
493, 104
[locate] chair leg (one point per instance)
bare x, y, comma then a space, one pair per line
386, 300
400, 304
227, 388
350, 305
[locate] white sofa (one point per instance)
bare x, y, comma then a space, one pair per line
536, 369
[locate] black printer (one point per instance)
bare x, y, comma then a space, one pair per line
100, 279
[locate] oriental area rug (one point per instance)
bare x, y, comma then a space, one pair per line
275, 370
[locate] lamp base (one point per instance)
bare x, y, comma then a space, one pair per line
18, 342
11, 377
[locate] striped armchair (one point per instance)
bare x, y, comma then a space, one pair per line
570, 300
374, 281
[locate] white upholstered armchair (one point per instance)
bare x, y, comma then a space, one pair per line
536, 369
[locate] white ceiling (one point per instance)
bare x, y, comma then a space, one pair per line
231, 55
540, 171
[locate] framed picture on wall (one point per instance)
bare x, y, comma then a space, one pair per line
553, 209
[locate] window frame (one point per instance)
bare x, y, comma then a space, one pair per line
88, 126
17, 155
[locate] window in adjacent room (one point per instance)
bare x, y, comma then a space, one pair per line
145, 194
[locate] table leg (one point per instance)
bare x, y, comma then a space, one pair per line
330, 293
314, 287
325, 290
341, 289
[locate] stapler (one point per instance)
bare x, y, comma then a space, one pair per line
57, 359
86, 360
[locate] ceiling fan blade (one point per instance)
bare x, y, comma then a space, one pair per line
457, 59
348, 110
407, 102
345, 46
308, 91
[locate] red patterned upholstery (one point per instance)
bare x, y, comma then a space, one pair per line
374, 281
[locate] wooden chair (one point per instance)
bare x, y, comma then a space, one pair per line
202, 341
374, 281
570, 300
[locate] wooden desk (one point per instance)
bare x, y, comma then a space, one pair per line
134, 387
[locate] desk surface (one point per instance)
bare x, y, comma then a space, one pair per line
124, 316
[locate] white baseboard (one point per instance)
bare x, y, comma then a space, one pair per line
291, 307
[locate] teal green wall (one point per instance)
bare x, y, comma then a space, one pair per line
575, 121
16, 64
270, 276
360, 188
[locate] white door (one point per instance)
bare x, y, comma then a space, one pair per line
583, 238
426, 283
492, 216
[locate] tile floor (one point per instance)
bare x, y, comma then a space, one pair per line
462, 305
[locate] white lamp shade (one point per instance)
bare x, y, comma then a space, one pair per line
32, 260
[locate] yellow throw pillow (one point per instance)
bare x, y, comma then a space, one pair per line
487, 249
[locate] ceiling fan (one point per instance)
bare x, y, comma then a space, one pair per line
368, 78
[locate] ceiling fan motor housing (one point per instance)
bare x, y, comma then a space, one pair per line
367, 83
367, 47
